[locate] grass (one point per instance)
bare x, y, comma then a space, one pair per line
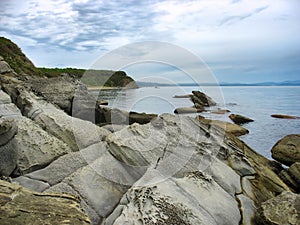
18, 61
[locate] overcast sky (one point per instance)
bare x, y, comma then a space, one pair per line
239, 40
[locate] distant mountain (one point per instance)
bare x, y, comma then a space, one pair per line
283, 83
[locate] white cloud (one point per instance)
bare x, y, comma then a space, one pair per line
222, 32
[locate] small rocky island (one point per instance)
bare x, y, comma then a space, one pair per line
66, 160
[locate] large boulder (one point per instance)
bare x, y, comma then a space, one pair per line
281, 210
21, 206
239, 119
202, 99
287, 149
8, 146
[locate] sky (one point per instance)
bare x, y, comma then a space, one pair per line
237, 40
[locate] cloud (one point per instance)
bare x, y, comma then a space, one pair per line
73, 24
235, 1
233, 19
224, 33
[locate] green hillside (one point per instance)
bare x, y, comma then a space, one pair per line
18, 61
106, 78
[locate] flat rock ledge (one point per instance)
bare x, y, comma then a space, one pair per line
21, 206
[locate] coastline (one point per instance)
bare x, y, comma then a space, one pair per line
180, 165
95, 88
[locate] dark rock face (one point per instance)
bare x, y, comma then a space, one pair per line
239, 119
283, 209
117, 116
199, 98
8, 146
287, 150
141, 118
61, 91
186, 110
22, 206
281, 116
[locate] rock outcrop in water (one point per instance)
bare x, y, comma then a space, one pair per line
239, 119
281, 116
171, 170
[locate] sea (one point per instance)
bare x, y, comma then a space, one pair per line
255, 102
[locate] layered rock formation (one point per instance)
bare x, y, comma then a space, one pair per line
21, 206
287, 152
234, 129
200, 101
171, 170
287, 149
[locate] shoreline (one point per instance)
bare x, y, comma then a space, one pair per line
96, 88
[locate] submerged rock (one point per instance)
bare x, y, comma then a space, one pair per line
220, 111
182, 96
281, 116
185, 110
239, 119
287, 149
22, 206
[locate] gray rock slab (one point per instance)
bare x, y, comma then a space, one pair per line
4, 98
68, 164
37, 148
32, 184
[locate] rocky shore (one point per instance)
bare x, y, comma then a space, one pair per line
66, 160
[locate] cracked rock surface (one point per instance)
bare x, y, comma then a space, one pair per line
173, 170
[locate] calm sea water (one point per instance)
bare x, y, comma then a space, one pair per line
257, 103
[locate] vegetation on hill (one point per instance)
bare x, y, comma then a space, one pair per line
18, 61
107, 78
